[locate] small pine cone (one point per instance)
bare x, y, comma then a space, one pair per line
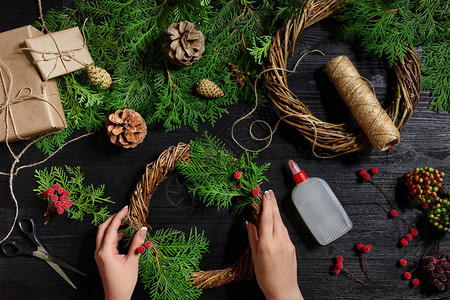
126, 128
183, 43
99, 75
209, 89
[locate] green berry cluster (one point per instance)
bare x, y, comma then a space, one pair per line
425, 185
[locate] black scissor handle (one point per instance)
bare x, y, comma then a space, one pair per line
27, 226
12, 248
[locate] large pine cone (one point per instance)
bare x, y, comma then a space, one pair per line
183, 43
126, 128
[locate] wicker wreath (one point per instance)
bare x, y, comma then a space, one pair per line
333, 139
155, 173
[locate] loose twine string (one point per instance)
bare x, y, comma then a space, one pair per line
7, 106
272, 131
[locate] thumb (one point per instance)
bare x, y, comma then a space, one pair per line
138, 240
252, 237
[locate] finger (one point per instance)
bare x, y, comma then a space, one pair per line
253, 238
278, 225
101, 231
138, 240
266, 224
111, 232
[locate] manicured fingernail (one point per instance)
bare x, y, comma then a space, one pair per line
143, 231
246, 224
266, 192
125, 207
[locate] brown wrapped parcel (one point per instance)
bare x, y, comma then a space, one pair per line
28, 107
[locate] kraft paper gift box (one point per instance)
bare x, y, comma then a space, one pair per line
28, 106
59, 53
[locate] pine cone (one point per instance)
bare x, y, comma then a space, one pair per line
183, 43
126, 128
209, 89
99, 75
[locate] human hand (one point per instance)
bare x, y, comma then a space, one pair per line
274, 254
119, 272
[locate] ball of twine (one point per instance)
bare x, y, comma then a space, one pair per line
331, 139
139, 208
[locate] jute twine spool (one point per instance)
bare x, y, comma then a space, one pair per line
364, 105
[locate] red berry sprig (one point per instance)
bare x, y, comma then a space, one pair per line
58, 198
425, 185
339, 265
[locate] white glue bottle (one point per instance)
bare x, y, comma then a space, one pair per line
319, 207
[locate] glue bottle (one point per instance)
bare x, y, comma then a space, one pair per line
319, 207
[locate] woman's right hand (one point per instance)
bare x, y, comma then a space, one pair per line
273, 254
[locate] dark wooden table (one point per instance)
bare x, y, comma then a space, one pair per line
425, 141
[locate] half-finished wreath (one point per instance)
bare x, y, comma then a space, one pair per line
334, 139
169, 267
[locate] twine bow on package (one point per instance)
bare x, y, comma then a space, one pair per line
27, 107
59, 53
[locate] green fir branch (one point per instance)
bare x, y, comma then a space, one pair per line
260, 49
86, 199
210, 169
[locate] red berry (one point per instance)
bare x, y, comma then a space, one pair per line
407, 275
366, 176
424, 205
255, 192
391, 148
69, 203
60, 210
370, 247
148, 244
408, 237
66, 194
61, 191
359, 246
54, 198
339, 258
45, 194
140, 249
237, 175
336, 270
362, 172
339, 265
63, 199
403, 242
58, 204
402, 262
393, 213
365, 249
56, 186
50, 191
374, 171
65, 205
413, 232
415, 282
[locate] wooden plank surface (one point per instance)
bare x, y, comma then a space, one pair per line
425, 141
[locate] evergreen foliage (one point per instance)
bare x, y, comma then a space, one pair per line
125, 38
388, 27
86, 199
210, 169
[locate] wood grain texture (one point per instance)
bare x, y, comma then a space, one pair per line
425, 141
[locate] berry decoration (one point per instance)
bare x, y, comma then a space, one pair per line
408, 237
413, 232
255, 192
402, 262
403, 242
339, 265
362, 172
407, 275
339, 259
237, 175
336, 270
141, 249
425, 186
366, 176
359, 246
393, 213
374, 171
415, 282
148, 244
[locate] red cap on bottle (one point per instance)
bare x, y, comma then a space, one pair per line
298, 175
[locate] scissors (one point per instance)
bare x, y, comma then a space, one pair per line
12, 248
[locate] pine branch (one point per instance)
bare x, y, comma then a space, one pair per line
85, 199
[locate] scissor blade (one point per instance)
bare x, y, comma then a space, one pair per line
60, 262
55, 267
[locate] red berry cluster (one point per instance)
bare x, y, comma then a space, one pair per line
363, 248
147, 245
408, 237
366, 175
339, 265
425, 185
59, 197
